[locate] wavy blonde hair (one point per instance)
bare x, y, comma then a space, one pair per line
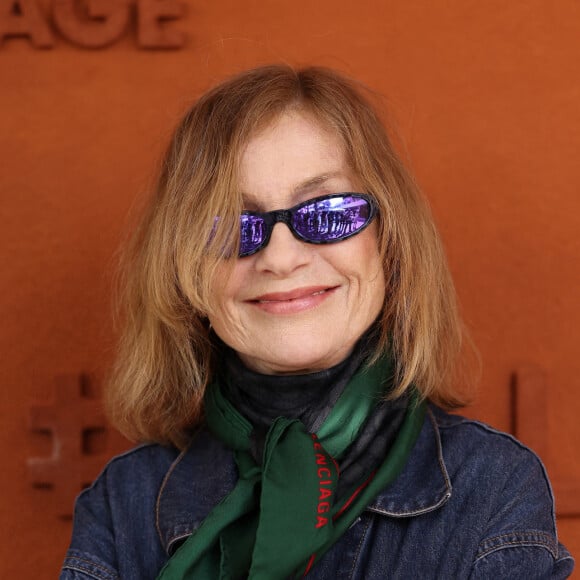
166, 352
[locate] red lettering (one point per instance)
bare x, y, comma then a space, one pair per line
321, 521
324, 493
23, 18
323, 507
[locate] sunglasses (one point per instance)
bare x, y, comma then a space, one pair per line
322, 220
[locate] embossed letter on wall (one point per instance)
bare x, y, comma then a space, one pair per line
93, 23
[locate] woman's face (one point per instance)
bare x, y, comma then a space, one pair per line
295, 307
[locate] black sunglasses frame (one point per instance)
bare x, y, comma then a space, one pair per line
271, 218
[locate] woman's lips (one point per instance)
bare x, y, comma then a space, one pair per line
294, 301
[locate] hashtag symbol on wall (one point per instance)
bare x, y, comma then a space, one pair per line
72, 419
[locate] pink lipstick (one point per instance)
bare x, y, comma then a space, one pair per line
294, 301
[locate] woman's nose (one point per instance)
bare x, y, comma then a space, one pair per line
284, 253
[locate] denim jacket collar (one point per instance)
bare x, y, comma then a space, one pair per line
204, 473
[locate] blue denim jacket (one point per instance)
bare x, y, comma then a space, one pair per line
471, 503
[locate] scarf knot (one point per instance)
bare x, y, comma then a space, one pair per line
284, 514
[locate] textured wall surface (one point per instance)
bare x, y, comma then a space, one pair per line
485, 97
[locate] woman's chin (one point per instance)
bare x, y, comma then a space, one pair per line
294, 360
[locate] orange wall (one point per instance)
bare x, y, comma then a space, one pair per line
486, 98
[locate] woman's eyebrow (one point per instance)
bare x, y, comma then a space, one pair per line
251, 203
315, 182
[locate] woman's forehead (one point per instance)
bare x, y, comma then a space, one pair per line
295, 155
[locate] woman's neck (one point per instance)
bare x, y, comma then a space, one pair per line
307, 397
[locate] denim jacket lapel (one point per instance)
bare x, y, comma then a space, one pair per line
201, 476
424, 484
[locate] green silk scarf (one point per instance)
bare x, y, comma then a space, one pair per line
282, 516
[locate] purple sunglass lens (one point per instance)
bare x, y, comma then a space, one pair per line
331, 219
252, 232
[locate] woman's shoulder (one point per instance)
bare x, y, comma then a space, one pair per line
478, 455
493, 470
145, 496
118, 507
506, 484
147, 468
456, 457
481, 442
144, 461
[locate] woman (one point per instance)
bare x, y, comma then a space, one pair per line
289, 313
